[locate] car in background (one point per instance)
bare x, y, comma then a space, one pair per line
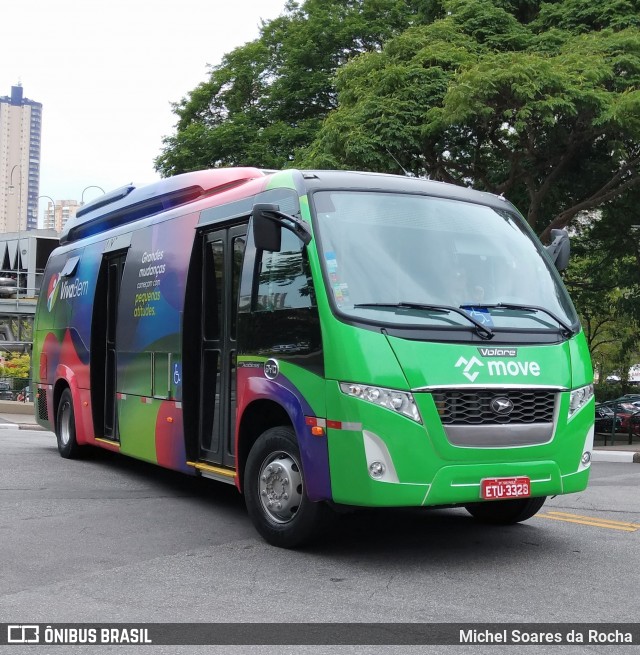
605, 418
6, 392
627, 412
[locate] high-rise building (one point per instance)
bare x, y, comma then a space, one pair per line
55, 217
20, 130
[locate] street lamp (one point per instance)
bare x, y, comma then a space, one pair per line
91, 186
53, 205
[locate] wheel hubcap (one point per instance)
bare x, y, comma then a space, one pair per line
280, 487
65, 433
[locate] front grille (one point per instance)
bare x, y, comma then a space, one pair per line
41, 398
473, 407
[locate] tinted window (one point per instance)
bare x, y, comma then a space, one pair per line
283, 282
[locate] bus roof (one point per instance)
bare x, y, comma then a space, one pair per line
366, 181
130, 203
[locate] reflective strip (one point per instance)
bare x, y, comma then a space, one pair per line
314, 421
344, 425
121, 396
146, 401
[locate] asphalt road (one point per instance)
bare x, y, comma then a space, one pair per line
109, 539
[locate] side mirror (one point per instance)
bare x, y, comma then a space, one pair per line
267, 232
559, 249
268, 222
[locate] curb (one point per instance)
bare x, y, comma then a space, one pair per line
625, 456
21, 426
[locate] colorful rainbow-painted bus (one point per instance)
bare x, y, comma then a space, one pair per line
319, 339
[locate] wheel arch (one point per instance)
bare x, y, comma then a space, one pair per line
284, 405
67, 379
258, 416
58, 389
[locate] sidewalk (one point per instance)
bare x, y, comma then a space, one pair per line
18, 415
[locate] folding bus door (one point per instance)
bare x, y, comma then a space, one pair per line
222, 261
103, 348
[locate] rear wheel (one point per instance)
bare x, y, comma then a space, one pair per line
505, 512
275, 492
66, 427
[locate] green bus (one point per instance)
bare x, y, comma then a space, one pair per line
319, 339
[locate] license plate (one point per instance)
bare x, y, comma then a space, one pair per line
502, 488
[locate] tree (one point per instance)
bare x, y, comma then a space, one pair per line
268, 98
538, 102
604, 281
16, 366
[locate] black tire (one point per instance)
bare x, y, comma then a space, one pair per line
505, 512
275, 494
66, 427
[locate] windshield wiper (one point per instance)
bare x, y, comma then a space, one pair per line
481, 330
528, 308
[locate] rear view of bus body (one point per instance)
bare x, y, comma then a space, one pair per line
370, 340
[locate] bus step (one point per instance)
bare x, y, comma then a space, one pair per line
214, 472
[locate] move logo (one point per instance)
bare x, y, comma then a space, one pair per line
496, 368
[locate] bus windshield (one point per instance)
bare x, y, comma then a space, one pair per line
404, 259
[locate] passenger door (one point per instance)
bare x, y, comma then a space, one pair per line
223, 250
103, 355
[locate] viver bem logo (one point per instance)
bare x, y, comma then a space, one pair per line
496, 368
65, 289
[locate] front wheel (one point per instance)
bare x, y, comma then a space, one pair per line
66, 427
275, 494
505, 512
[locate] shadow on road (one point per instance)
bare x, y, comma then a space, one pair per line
433, 537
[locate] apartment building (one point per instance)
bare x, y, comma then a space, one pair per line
56, 216
20, 132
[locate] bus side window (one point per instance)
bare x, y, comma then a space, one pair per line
283, 279
238, 255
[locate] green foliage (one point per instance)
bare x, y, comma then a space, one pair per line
580, 16
477, 97
604, 392
604, 281
16, 366
539, 101
267, 99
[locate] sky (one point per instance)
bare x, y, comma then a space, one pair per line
106, 74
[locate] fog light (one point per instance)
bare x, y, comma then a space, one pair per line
586, 458
376, 469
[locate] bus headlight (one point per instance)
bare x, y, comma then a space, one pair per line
579, 398
401, 402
